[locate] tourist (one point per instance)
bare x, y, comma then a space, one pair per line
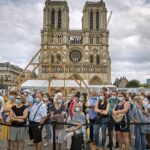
18, 131
28, 97
113, 101
57, 114
83, 100
139, 115
72, 105
122, 129
92, 114
78, 119
4, 134
37, 118
68, 107
148, 111
47, 121
102, 108
2, 106
34, 93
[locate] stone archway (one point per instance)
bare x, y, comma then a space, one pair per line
96, 81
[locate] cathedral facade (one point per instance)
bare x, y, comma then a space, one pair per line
69, 54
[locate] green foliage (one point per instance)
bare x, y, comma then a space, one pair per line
133, 84
145, 85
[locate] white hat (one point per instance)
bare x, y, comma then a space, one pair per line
27, 90
59, 94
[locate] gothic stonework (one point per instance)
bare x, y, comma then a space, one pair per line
82, 51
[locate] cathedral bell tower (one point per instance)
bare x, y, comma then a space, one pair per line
54, 34
84, 52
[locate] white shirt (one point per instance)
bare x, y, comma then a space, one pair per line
42, 112
2, 104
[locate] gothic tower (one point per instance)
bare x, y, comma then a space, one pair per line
94, 26
78, 51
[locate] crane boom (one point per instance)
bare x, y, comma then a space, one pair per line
109, 18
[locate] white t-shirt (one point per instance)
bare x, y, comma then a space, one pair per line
2, 105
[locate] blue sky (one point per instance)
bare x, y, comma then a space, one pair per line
21, 23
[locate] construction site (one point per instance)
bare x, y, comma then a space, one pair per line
70, 59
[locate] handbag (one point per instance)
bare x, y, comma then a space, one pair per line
5, 117
118, 117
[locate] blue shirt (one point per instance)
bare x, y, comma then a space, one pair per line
29, 99
93, 102
42, 112
79, 118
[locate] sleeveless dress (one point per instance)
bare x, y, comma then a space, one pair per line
4, 134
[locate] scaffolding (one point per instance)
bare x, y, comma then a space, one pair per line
34, 64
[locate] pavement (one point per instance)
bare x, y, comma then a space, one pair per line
50, 146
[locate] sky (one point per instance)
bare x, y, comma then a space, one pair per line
129, 42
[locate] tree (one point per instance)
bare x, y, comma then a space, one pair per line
133, 84
145, 85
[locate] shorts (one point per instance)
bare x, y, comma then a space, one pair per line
59, 135
35, 131
18, 133
122, 127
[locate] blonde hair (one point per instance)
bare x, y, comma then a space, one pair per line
139, 98
57, 96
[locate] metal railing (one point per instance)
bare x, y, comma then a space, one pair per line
54, 123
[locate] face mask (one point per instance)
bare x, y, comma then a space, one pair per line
11, 97
18, 101
37, 100
25, 94
113, 97
101, 97
59, 101
77, 109
120, 99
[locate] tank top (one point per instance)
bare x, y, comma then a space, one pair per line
103, 107
121, 107
18, 112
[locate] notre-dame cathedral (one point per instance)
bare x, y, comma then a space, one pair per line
67, 52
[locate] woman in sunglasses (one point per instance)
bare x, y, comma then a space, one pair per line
18, 131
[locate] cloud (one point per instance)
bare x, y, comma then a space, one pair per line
129, 38
20, 25
21, 22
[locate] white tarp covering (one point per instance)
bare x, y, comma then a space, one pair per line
60, 84
57, 84
53, 83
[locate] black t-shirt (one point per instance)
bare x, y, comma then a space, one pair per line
18, 112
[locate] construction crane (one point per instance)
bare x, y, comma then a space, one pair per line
109, 18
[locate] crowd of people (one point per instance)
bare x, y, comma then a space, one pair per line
24, 115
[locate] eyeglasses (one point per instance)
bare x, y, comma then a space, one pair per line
18, 98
